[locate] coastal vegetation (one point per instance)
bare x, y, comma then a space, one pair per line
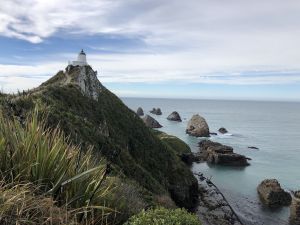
88, 160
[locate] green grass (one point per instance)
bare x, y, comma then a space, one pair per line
32, 154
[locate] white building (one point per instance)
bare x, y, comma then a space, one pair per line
81, 59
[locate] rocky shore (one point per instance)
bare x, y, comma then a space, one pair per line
213, 208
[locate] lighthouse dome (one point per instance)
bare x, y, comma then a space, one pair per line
81, 59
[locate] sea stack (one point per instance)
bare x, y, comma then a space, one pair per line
151, 122
295, 209
174, 116
156, 111
140, 111
272, 195
197, 127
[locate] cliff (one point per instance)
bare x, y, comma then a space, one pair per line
91, 115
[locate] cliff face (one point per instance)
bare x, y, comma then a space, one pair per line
91, 115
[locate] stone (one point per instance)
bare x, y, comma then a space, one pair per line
253, 147
272, 195
151, 122
217, 153
295, 209
189, 158
140, 111
223, 130
156, 111
174, 116
197, 127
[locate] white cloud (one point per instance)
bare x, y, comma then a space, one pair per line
204, 38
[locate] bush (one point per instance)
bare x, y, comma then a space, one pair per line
32, 153
162, 216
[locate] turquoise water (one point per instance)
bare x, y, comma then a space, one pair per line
273, 127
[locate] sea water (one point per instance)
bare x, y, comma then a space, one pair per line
273, 127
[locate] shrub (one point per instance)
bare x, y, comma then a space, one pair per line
31, 153
162, 216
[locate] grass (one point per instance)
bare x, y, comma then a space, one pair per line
32, 154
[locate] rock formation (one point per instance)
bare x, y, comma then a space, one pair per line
272, 195
174, 116
151, 122
216, 153
223, 130
197, 127
295, 209
213, 208
140, 111
156, 111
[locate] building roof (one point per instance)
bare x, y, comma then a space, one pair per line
82, 52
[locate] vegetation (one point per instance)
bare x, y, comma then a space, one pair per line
162, 216
39, 160
130, 167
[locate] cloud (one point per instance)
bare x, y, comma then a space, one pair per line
228, 42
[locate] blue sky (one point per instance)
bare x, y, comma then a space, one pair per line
234, 49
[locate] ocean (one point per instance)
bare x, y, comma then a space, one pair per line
273, 127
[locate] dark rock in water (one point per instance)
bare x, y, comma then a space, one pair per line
272, 195
223, 130
140, 111
174, 116
295, 209
151, 122
156, 111
253, 147
189, 158
197, 127
213, 133
216, 153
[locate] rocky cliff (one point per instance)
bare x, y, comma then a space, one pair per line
76, 101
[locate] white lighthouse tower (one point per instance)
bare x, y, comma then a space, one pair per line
81, 59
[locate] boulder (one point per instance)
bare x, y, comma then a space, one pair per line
140, 111
223, 130
217, 153
151, 122
156, 111
295, 209
272, 195
174, 116
197, 127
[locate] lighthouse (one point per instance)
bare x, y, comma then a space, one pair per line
81, 59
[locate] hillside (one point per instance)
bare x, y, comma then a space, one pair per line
91, 115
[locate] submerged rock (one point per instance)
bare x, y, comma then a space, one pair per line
174, 116
253, 147
295, 209
156, 111
197, 127
140, 111
272, 195
223, 130
151, 122
217, 153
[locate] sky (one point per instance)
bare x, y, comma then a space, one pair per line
206, 49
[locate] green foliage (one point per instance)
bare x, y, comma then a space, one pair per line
162, 216
173, 142
119, 135
44, 157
